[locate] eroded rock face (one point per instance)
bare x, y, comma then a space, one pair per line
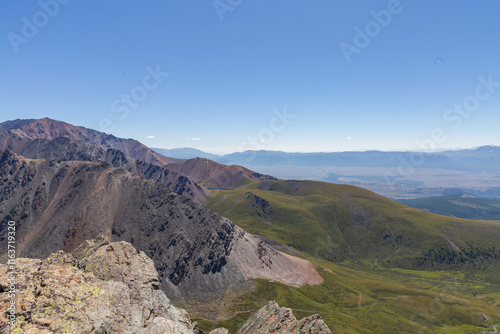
65, 149
280, 320
47, 128
200, 256
101, 287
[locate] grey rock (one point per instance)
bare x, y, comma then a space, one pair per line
220, 331
280, 320
112, 289
88, 247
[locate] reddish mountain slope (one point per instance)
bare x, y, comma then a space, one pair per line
10, 141
65, 149
47, 128
206, 172
214, 175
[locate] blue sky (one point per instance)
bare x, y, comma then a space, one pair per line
351, 75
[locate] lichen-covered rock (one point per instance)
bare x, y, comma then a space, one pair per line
220, 331
279, 320
112, 289
196, 330
88, 247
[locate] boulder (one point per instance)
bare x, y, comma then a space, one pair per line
100, 288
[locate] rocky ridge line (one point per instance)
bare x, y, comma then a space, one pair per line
280, 320
65, 149
101, 287
206, 172
104, 287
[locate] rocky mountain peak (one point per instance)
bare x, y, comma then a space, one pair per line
47, 128
280, 320
101, 287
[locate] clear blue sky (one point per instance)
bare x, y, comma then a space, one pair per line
230, 67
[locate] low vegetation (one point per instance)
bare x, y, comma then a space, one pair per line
462, 206
364, 299
388, 268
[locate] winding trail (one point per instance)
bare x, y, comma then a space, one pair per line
360, 297
494, 328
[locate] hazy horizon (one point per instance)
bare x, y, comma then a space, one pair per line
229, 150
367, 150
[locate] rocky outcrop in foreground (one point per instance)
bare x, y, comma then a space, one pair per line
99, 288
273, 319
104, 287
280, 320
220, 331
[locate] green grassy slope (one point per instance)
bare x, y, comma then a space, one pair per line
388, 268
462, 206
341, 222
376, 300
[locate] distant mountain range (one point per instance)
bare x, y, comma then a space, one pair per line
186, 153
397, 175
484, 158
